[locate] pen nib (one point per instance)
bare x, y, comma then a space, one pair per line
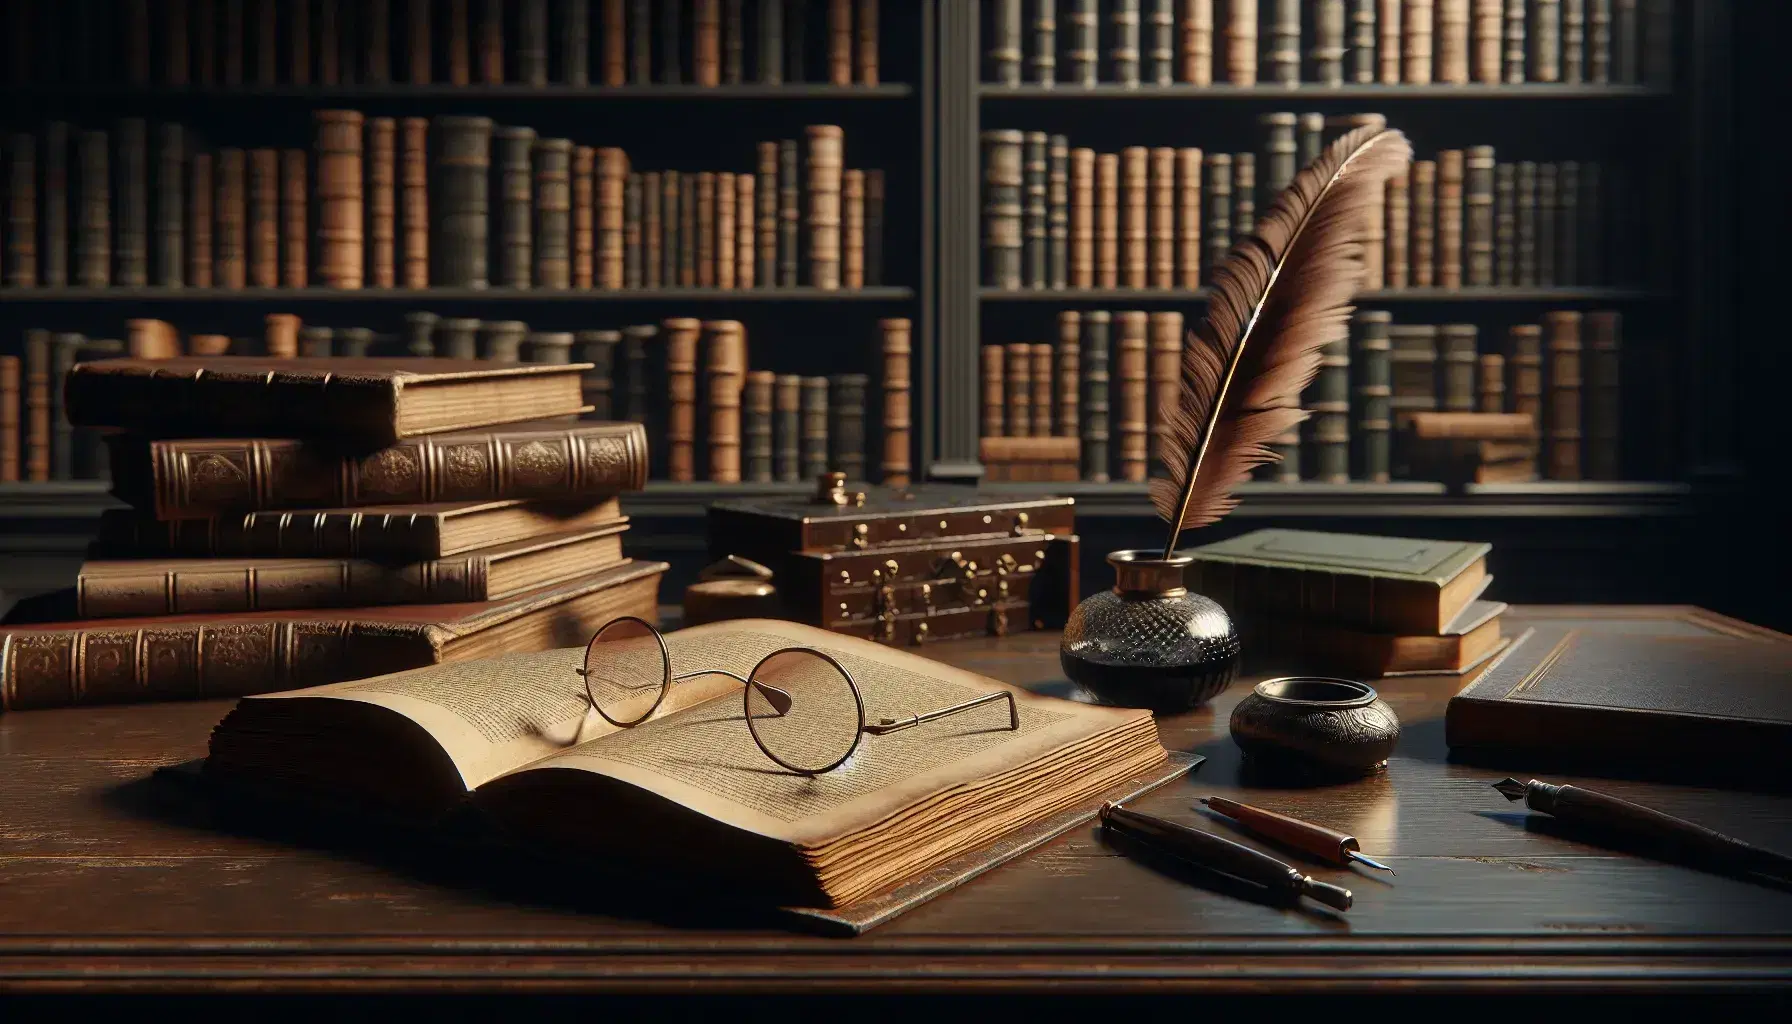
1511, 789
1360, 859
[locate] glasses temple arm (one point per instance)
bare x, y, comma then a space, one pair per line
890, 725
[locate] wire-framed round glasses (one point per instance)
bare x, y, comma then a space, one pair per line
803, 707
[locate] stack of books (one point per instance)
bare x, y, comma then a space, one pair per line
1354, 605
299, 521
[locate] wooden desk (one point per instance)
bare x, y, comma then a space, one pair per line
99, 891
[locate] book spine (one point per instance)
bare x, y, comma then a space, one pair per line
1370, 393
635, 394
553, 213
1107, 220
419, 334
1424, 223
1599, 41
1562, 414
1197, 42
1548, 199
787, 426
724, 376
846, 424
231, 229
170, 211
532, 42
1241, 42
1396, 202
687, 230
1415, 30
1388, 48
328, 54
378, 38
458, 338
874, 226
670, 188
1327, 440
1452, 41
264, 218
1487, 15
1033, 235
21, 212
681, 383
1458, 365
1567, 262
382, 201
1041, 376
316, 342
789, 213
1328, 50
1490, 384
1244, 193
459, 45
93, 219
418, 17
1162, 228
1513, 54
897, 467
1360, 39
1591, 269
462, 227
1017, 381
852, 216
1626, 54
585, 221
515, 234
795, 41
11, 403
413, 184
1412, 372
1279, 150
1004, 42
840, 42
1044, 59
671, 44
491, 42
705, 229
1217, 205
1546, 48
340, 249
294, 265
574, 28
205, 41
1526, 207
37, 404
1284, 42
706, 42
633, 223
213, 344
55, 205
1603, 380
1574, 39
598, 384
733, 45
353, 342
822, 213
501, 341
1505, 225
1083, 50
1164, 371
768, 55
765, 230
199, 221
1524, 362
1188, 217
992, 367
1132, 369
1003, 174
1450, 174
1094, 404
1082, 218
152, 339
814, 427
757, 401
719, 233
1124, 57
1068, 375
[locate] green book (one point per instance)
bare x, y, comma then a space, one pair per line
1386, 584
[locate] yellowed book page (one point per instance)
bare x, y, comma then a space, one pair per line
703, 756
495, 715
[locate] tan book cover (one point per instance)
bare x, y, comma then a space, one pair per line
681, 397
1135, 239
1132, 374
340, 230
1018, 382
382, 202
992, 362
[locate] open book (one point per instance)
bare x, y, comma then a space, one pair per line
689, 788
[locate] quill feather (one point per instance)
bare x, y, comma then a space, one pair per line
1281, 296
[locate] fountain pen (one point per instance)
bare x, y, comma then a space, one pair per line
1209, 851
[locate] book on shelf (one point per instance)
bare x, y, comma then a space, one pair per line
787, 428
1033, 210
814, 413
1029, 459
1325, 454
512, 147
846, 424
1165, 378
1095, 325
724, 369
1041, 376
1003, 180
1018, 388
1601, 404
1107, 220
757, 405
1562, 384
895, 348
1131, 372
11, 403
1370, 396
1216, 206
993, 376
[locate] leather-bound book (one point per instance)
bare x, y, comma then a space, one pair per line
705, 236
1490, 384
553, 213
1528, 224
1042, 62
264, 218
796, 48
852, 218
1033, 210
280, 340
1412, 370
1450, 175
1017, 382
1328, 50
514, 145
21, 211
1626, 35
584, 218
1244, 193
1188, 218
896, 468
329, 70
169, 210
420, 334
1360, 54
532, 42
1162, 230
1082, 218
199, 221
1590, 232
352, 342
1548, 214
152, 339
1485, 40
1416, 25
382, 202
677, 228
846, 424
1241, 42
316, 342
36, 404
1524, 363
746, 228
231, 229
1040, 374
1371, 390
1082, 52
636, 340
1132, 371
1164, 371
598, 384
1283, 49
490, 39
787, 404
1326, 444
734, 43
340, 250
376, 40
706, 42
574, 30
1478, 249
1003, 177
1160, 42
214, 344
93, 212
1389, 49
1196, 42
839, 42
633, 224
815, 427
1514, 49
768, 39
822, 210
789, 213
1574, 39
69, 664
1546, 49
681, 334
1567, 249
724, 373
1603, 380
53, 211
1599, 41
672, 43
11, 403
765, 249
1004, 53
1457, 360
757, 401
1452, 41
1067, 376
459, 45
1505, 225
413, 208
295, 267
993, 374
501, 341
1107, 220
1309, 138
1094, 404
1123, 58
1424, 223
1279, 151
617, 40
723, 234
671, 194
1217, 205
1562, 407
611, 184
418, 51
1396, 202
551, 347
1057, 215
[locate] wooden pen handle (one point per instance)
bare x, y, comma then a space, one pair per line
1301, 835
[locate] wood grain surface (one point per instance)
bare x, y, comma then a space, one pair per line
113, 881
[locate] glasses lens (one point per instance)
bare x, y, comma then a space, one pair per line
803, 711
625, 671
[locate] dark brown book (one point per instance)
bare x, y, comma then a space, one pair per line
63, 664
1017, 386
295, 265
139, 587
230, 264
681, 337
633, 225
413, 203
340, 235
1397, 204
1107, 220
1528, 220
619, 41
814, 427
1164, 372
1217, 206
93, 212
1282, 49
1033, 209
1505, 225
766, 216
1548, 221
1132, 375
1067, 376
1371, 391
610, 184
821, 219
1478, 220
1457, 358
789, 213
1562, 400
1082, 218
852, 233
1466, 643
376, 41
1244, 194
36, 404
1524, 362
1469, 425
1490, 383
598, 385
418, 51
636, 389
1029, 459
531, 64
1161, 230
1041, 376
1618, 690
490, 38
839, 42
382, 202
1603, 409
53, 210
733, 41
769, 43
1568, 221
687, 231
671, 220
672, 42
746, 191
514, 146
11, 405
553, 213
584, 216
1574, 40
724, 371
1423, 247
706, 42
329, 41
459, 44
21, 211
1188, 218
757, 425
993, 373
1057, 217
169, 211
280, 340
264, 218
846, 424
152, 339
705, 234
787, 402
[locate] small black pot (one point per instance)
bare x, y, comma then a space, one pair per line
1316, 723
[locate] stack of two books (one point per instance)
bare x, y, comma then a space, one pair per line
1350, 604
302, 521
